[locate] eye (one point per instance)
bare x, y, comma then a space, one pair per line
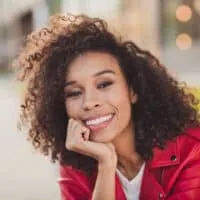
104, 84
72, 94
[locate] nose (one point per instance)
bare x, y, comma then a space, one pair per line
91, 101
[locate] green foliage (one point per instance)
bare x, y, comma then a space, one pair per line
196, 93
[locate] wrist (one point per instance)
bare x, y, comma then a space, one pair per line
107, 166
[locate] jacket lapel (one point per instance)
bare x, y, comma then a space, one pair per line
150, 188
120, 195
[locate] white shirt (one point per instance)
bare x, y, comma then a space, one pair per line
132, 188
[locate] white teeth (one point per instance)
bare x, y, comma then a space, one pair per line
98, 120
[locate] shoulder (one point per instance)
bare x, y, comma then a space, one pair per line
74, 183
186, 145
193, 133
189, 143
71, 178
189, 138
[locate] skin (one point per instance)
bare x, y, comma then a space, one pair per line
95, 87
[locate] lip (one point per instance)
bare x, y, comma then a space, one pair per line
101, 125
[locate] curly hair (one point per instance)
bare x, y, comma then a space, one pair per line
163, 111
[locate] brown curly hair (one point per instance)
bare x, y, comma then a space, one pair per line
164, 110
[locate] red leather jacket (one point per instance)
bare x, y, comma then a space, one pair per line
172, 174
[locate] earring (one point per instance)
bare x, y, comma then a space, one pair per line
134, 98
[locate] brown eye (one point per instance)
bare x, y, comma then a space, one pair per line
104, 84
72, 94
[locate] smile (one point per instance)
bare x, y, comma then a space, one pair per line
100, 122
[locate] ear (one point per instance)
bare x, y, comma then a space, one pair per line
133, 97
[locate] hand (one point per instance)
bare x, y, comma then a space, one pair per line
78, 140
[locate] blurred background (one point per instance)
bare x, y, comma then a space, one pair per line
169, 29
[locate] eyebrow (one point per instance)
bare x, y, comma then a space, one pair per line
94, 75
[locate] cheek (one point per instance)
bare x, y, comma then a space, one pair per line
71, 109
123, 105
120, 98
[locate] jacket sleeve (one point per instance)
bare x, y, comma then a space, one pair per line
188, 184
74, 184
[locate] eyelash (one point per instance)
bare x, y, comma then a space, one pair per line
72, 94
105, 84
77, 93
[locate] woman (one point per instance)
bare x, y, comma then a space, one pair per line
120, 126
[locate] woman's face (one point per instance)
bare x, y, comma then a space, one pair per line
96, 93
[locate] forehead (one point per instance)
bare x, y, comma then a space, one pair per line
89, 63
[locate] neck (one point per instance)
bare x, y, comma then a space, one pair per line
129, 161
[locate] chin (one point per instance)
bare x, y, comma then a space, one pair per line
102, 138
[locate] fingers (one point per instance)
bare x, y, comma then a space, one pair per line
76, 133
78, 141
85, 133
82, 129
71, 136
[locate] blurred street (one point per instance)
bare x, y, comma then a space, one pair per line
25, 174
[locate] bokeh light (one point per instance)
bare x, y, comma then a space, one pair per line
183, 13
184, 41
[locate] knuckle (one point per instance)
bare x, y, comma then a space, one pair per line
83, 129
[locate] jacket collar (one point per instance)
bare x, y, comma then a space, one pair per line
170, 155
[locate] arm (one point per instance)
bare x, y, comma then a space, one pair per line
105, 182
75, 185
